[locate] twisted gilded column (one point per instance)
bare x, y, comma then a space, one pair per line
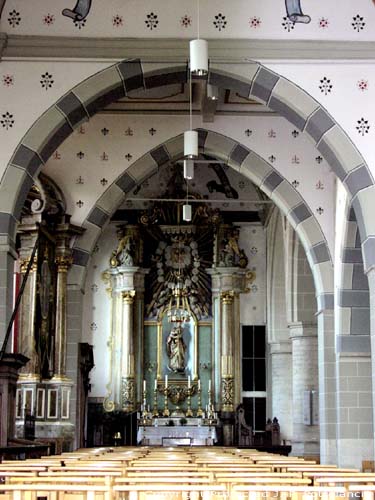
63, 263
127, 361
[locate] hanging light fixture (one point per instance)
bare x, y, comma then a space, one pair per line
186, 212
212, 92
198, 53
188, 169
190, 136
199, 56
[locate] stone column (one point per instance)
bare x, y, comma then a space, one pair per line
304, 338
227, 378
63, 263
127, 361
371, 281
281, 387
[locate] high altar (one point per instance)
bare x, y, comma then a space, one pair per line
174, 337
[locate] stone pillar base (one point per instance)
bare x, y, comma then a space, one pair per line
227, 420
305, 449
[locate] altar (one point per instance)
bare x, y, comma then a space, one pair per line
196, 432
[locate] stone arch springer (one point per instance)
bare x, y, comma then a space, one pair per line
88, 97
242, 159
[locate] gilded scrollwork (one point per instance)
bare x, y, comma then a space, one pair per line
128, 394
227, 394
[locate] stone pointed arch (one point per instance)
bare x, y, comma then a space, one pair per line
245, 161
252, 80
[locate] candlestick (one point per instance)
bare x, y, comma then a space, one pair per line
166, 410
155, 410
155, 385
144, 386
199, 409
199, 384
189, 382
189, 412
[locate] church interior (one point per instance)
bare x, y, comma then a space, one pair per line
187, 246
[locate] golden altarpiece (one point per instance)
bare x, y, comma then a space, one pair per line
174, 343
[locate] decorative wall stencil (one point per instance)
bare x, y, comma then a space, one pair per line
319, 160
220, 22
80, 180
7, 120
363, 127
56, 155
319, 185
358, 23
94, 288
325, 85
323, 23
253, 250
271, 134
80, 23
185, 21
294, 12
93, 327
104, 131
82, 130
129, 132
287, 24
255, 22
46, 80
295, 133
117, 21
152, 21
295, 160
152, 131
128, 156
362, 85
8, 80
80, 155
295, 184
79, 12
104, 181
320, 210
248, 132
14, 18
48, 19
79, 203
104, 156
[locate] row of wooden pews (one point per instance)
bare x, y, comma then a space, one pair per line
194, 473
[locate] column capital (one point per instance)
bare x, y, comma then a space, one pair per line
63, 262
227, 297
128, 296
301, 329
280, 348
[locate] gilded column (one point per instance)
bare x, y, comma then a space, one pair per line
27, 322
227, 378
127, 362
63, 263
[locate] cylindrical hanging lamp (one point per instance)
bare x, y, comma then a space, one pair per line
188, 169
212, 92
186, 213
199, 57
191, 144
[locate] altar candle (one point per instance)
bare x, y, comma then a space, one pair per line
155, 385
144, 386
189, 382
199, 384
209, 385
166, 381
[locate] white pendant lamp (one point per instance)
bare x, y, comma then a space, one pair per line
188, 169
212, 92
199, 57
186, 212
191, 144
